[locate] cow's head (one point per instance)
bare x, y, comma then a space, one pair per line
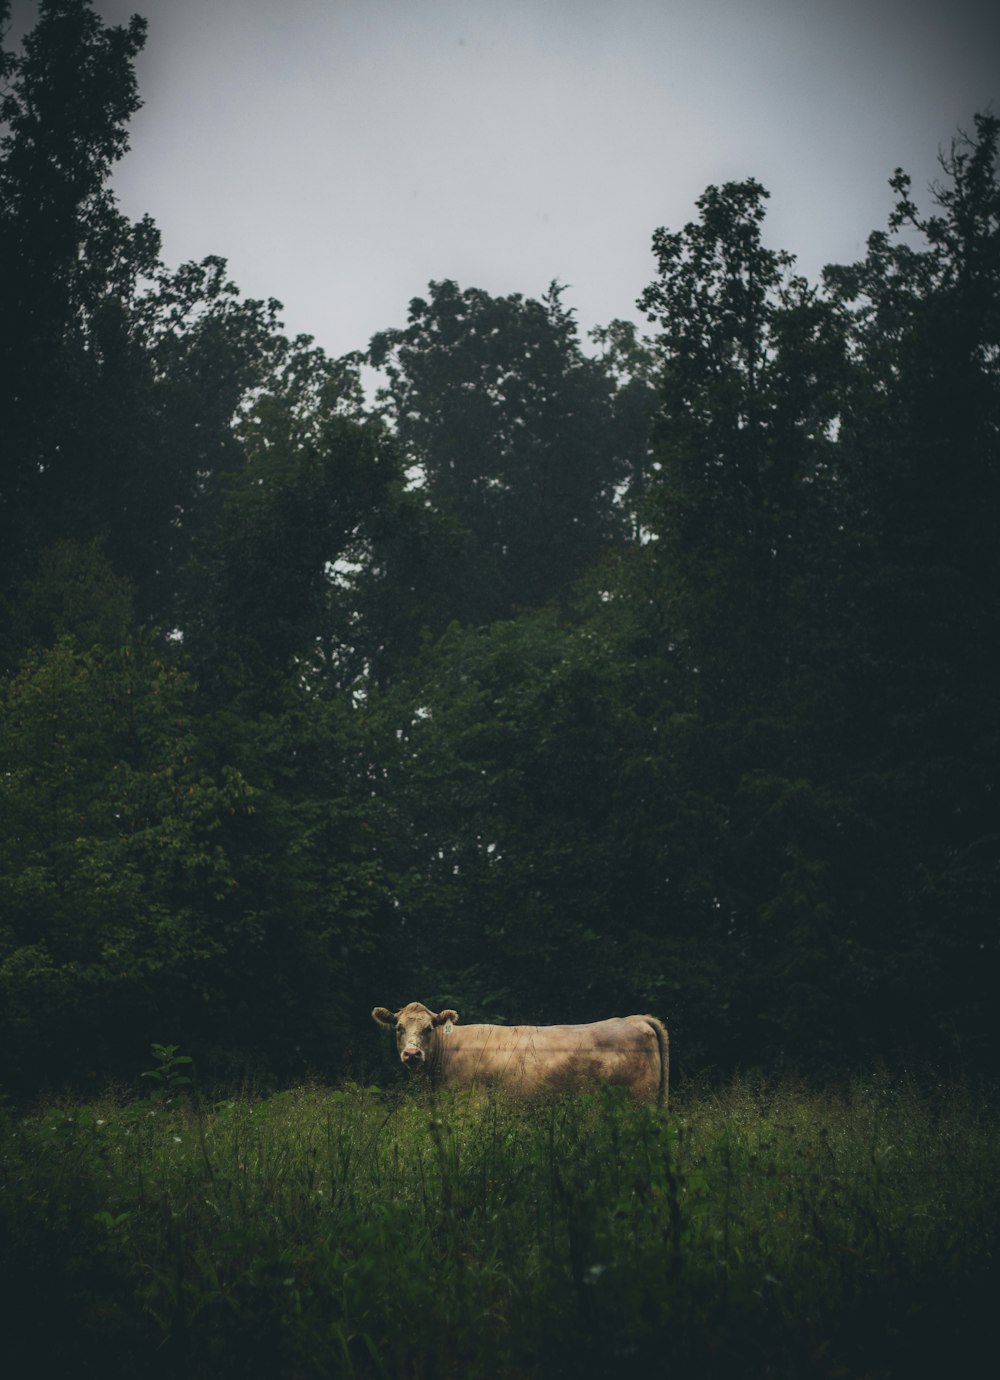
415, 1026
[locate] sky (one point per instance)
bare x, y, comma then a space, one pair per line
341, 154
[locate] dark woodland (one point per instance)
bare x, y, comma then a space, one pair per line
557, 678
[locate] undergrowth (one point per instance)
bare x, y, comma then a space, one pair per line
756, 1231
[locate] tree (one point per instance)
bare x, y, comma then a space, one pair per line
175, 871
745, 432
491, 762
507, 429
264, 600
634, 366
920, 457
743, 579
127, 388
74, 593
67, 259
120, 891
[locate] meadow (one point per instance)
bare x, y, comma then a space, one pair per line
754, 1230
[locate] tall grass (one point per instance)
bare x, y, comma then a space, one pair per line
756, 1231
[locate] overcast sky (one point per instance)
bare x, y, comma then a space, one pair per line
342, 153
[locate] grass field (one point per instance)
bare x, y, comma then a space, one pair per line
753, 1231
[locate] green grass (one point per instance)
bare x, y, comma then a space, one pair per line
754, 1231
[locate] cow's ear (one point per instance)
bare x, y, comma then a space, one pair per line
443, 1017
383, 1016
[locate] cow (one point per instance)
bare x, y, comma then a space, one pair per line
630, 1052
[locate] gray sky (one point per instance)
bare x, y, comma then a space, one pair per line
342, 153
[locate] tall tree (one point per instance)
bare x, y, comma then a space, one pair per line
746, 556
921, 460
507, 427
68, 258
126, 387
745, 431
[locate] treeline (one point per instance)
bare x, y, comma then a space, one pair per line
562, 678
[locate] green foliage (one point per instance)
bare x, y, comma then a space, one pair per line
76, 594
759, 1230
556, 683
510, 428
751, 360
166, 1075
816, 582
265, 599
129, 391
119, 887
498, 760
921, 471
214, 872
68, 260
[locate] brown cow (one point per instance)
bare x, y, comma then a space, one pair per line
631, 1052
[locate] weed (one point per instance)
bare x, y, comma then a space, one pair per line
169, 1081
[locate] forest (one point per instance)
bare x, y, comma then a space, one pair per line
550, 678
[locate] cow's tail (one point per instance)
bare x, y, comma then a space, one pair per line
663, 1042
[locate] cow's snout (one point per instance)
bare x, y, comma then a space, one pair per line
412, 1055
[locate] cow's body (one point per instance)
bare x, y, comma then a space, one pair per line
631, 1052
